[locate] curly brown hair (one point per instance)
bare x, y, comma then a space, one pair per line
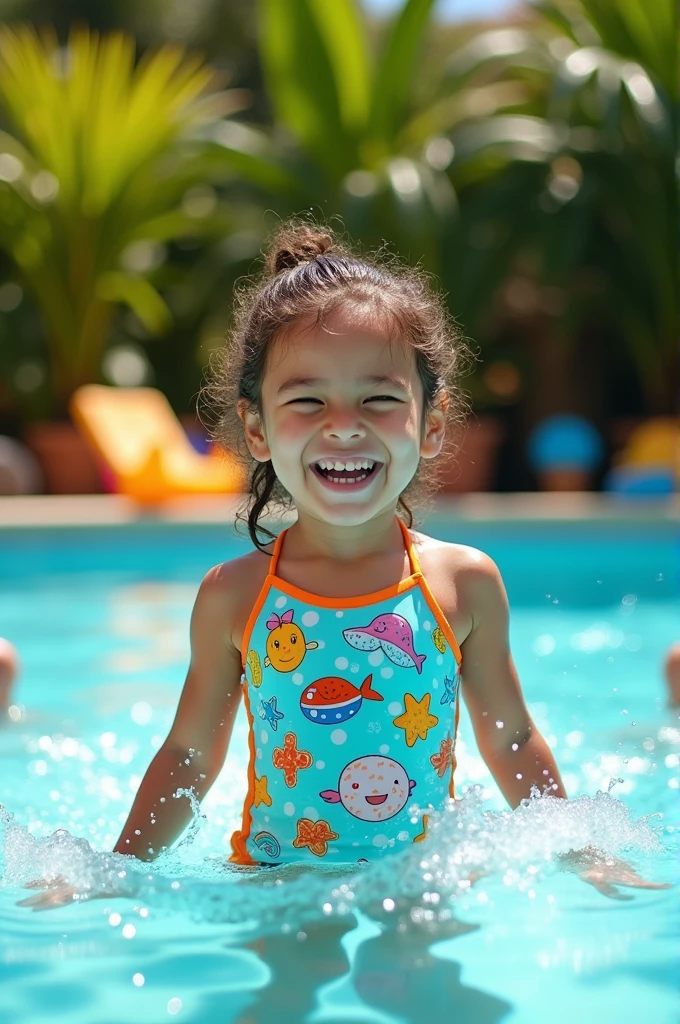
309, 272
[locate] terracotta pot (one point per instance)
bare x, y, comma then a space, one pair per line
473, 467
565, 479
65, 459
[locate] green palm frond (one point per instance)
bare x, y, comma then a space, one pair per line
102, 150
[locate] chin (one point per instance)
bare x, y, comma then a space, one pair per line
351, 514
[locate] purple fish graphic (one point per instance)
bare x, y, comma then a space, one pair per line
391, 632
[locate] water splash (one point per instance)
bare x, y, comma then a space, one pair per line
465, 842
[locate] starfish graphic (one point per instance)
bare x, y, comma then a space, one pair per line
314, 834
416, 720
290, 759
268, 711
443, 759
450, 689
261, 794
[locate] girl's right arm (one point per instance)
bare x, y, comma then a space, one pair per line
194, 752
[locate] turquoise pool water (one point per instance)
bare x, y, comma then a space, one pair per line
100, 617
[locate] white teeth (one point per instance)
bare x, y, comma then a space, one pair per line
348, 466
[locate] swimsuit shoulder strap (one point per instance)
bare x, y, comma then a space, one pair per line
276, 553
410, 549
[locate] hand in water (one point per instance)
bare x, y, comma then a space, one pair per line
56, 892
605, 873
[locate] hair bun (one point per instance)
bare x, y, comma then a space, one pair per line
296, 245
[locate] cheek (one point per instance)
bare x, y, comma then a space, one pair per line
403, 425
290, 427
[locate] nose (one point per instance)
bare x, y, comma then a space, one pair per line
343, 425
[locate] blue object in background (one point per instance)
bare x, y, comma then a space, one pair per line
565, 442
199, 442
642, 481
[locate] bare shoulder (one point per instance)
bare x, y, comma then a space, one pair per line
460, 560
223, 579
228, 592
465, 581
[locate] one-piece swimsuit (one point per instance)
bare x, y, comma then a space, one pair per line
353, 707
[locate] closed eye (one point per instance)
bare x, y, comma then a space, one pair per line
296, 401
383, 398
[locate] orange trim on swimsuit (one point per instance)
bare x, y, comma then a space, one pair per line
238, 839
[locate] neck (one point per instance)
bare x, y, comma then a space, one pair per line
318, 539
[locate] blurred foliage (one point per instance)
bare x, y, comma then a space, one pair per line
529, 165
223, 30
94, 181
580, 184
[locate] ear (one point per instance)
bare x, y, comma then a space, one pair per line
435, 427
253, 428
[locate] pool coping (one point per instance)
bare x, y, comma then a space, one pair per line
107, 510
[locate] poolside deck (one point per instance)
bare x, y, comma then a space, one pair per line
92, 510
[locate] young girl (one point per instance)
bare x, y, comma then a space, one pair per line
350, 637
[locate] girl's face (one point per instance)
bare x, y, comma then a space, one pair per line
342, 419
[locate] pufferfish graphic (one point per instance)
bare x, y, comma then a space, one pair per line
372, 788
286, 644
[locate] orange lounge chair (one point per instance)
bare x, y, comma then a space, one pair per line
136, 435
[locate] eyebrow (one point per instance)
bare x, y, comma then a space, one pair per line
311, 382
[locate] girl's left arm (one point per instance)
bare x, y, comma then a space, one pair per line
508, 740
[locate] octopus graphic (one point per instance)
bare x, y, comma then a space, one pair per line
393, 634
372, 788
286, 644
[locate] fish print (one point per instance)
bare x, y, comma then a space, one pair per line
393, 634
371, 788
286, 644
331, 700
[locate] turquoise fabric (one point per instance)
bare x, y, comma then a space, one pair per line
353, 712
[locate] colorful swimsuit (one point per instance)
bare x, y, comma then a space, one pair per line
353, 710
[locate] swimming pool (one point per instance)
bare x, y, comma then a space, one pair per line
100, 616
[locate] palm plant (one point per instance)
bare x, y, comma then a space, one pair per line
92, 180
582, 176
352, 127
550, 140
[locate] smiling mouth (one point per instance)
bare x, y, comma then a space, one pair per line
376, 799
346, 471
